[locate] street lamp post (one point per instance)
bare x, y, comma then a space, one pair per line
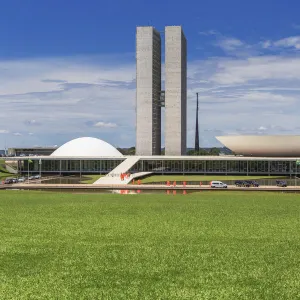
40, 165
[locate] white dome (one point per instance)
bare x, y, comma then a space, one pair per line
86, 147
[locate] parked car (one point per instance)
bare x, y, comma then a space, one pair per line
8, 181
281, 183
252, 183
242, 183
218, 184
21, 179
37, 177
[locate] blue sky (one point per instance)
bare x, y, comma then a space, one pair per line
67, 68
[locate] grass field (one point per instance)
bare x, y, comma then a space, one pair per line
164, 178
198, 246
4, 175
3, 172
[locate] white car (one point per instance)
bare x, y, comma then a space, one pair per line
22, 179
218, 184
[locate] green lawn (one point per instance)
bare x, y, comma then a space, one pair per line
90, 178
209, 245
164, 178
4, 174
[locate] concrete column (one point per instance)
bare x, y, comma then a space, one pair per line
175, 91
148, 88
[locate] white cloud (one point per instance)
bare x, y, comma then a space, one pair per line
230, 44
32, 123
261, 68
54, 100
209, 32
289, 42
266, 44
262, 128
105, 125
17, 134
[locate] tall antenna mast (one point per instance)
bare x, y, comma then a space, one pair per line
197, 128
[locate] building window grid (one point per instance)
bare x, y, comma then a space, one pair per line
167, 166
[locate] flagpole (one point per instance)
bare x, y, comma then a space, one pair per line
28, 170
40, 163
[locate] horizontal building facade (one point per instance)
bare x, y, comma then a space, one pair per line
201, 165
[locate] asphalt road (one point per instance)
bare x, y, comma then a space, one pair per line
41, 186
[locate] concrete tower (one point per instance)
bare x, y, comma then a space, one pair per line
175, 91
148, 88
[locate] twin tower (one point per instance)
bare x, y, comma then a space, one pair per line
150, 98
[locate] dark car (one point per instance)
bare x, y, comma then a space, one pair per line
281, 183
253, 183
8, 181
242, 183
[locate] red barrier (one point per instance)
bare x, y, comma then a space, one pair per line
174, 183
184, 183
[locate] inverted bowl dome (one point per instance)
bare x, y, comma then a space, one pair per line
86, 147
272, 145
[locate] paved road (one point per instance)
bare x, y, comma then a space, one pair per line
38, 186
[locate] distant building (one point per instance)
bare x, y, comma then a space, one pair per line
149, 96
44, 151
175, 91
93, 156
148, 88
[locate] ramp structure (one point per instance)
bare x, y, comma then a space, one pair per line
113, 177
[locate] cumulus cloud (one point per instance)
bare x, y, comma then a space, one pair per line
209, 32
291, 43
32, 123
230, 44
105, 125
57, 99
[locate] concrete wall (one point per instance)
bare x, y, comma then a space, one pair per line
148, 87
175, 91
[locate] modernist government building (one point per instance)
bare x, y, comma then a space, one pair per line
269, 155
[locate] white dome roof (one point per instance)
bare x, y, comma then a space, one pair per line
86, 147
